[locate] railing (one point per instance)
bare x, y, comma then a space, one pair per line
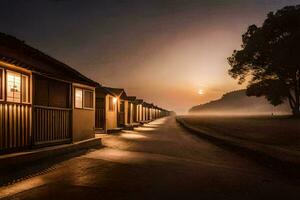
100, 118
15, 126
51, 125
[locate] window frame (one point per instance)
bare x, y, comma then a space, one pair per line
83, 90
6, 86
4, 94
83, 98
27, 89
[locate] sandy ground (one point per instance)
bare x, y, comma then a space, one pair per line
281, 131
157, 161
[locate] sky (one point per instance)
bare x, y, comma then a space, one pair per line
161, 51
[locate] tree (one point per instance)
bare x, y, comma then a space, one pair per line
270, 58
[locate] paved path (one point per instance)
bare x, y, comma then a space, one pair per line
157, 161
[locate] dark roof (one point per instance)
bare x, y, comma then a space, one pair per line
115, 91
146, 104
131, 98
139, 101
150, 105
101, 89
16, 52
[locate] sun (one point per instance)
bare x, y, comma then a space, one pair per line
201, 92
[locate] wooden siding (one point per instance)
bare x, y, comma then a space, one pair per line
129, 113
100, 117
121, 119
15, 126
51, 125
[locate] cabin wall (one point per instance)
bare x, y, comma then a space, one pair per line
100, 113
111, 116
126, 107
15, 117
15, 126
83, 124
132, 113
52, 111
143, 114
138, 113
147, 114
150, 113
83, 119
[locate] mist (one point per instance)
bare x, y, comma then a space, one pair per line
237, 103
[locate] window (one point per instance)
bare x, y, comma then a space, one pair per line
59, 94
88, 99
52, 93
78, 98
1, 84
13, 84
25, 89
84, 98
111, 104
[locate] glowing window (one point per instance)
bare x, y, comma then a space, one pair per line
78, 98
13, 84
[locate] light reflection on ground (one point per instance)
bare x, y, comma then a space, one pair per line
116, 155
143, 128
21, 186
133, 136
159, 121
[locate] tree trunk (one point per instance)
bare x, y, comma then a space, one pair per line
296, 113
296, 109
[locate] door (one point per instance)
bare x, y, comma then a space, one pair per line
121, 114
100, 113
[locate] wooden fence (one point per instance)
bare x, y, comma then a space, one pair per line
51, 125
15, 126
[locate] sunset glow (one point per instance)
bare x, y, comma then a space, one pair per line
149, 99
161, 56
200, 92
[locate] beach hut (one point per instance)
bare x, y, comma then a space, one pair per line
110, 112
139, 110
42, 100
131, 111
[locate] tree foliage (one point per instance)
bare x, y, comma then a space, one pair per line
270, 56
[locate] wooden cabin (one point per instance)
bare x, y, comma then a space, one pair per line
157, 112
154, 109
150, 114
42, 100
139, 110
146, 112
131, 110
110, 112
